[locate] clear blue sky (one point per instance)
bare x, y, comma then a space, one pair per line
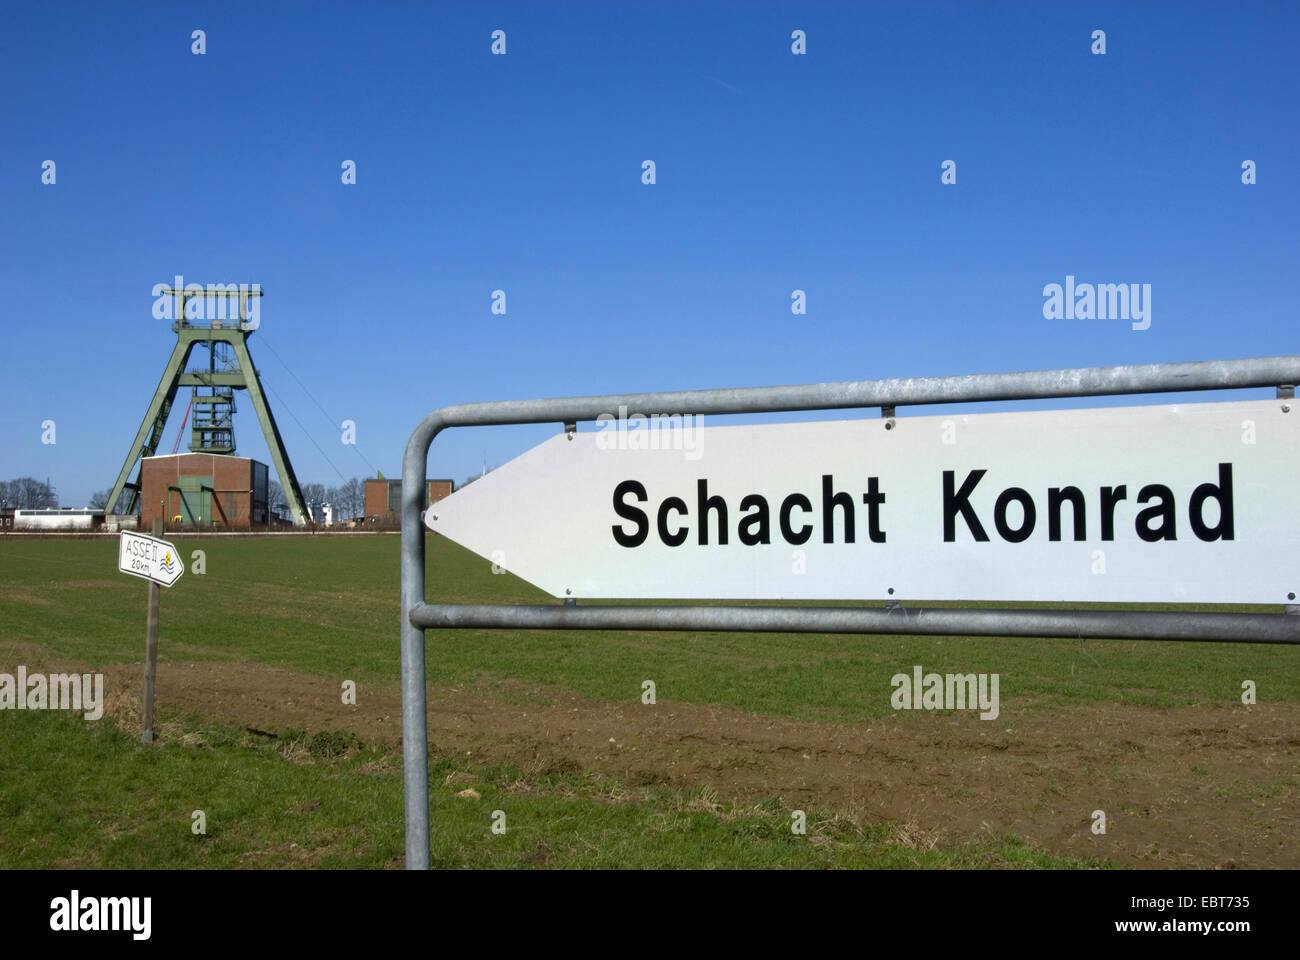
523, 172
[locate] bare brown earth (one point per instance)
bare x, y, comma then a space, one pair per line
1188, 787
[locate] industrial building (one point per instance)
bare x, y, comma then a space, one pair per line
203, 490
384, 497
53, 518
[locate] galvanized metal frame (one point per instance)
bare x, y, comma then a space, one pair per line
418, 616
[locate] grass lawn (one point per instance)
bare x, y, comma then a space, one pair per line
74, 793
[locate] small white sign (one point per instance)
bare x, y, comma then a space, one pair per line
1186, 503
149, 558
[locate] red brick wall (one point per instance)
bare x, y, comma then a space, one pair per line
232, 482
376, 504
377, 495
439, 489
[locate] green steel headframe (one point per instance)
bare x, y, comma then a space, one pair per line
213, 430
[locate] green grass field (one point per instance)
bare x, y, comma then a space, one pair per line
74, 793
94, 797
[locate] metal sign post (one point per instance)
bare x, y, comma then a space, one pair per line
158, 562
1274, 372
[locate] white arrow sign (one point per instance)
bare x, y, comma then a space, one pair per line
150, 558
1193, 503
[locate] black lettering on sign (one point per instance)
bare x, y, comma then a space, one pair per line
754, 525
1163, 511
831, 500
787, 531
1154, 523
959, 502
873, 498
1028, 515
630, 513
1110, 496
707, 503
713, 517
672, 539
1057, 496
1222, 495
797, 514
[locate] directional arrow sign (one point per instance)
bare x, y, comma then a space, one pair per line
150, 558
1194, 502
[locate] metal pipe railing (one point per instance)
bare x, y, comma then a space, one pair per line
416, 616
896, 620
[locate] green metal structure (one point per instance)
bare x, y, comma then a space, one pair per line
230, 368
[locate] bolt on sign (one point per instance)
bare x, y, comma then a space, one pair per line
1193, 502
149, 558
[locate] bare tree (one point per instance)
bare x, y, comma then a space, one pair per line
28, 493
313, 499
334, 497
275, 501
353, 497
99, 501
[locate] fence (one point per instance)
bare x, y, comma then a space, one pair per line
417, 616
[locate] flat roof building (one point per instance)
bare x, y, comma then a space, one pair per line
384, 496
203, 490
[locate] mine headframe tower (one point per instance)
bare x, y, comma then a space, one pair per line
229, 368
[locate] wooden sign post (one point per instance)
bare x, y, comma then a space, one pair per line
157, 561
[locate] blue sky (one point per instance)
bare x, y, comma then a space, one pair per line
522, 172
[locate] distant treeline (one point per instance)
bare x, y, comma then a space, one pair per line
27, 493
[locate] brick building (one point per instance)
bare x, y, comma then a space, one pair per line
384, 497
203, 490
